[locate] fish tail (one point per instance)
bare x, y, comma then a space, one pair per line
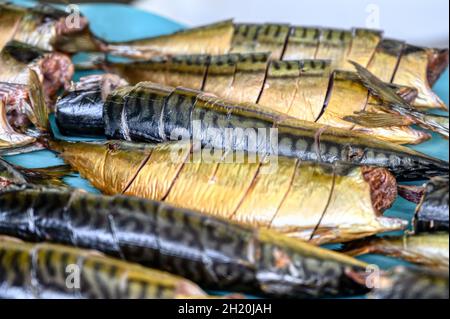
39, 116
93, 62
394, 103
361, 247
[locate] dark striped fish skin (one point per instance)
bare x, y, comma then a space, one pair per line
427, 249
150, 112
48, 28
433, 210
207, 250
393, 61
412, 283
48, 271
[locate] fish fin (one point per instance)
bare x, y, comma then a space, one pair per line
392, 102
94, 61
380, 89
371, 119
50, 176
37, 98
411, 193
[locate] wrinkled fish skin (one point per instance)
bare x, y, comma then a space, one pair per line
41, 271
432, 212
311, 201
151, 112
45, 27
393, 61
412, 283
429, 249
305, 89
209, 251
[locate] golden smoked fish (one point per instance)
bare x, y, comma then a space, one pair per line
155, 113
391, 60
312, 201
305, 89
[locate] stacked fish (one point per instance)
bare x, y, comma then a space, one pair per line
233, 151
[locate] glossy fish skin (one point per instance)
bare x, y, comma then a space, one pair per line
212, 252
305, 89
46, 28
311, 200
393, 61
42, 271
55, 70
428, 249
151, 112
412, 283
432, 211
89, 90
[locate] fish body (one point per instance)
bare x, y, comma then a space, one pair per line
433, 209
312, 201
429, 249
152, 112
23, 116
304, 89
213, 252
48, 271
393, 61
47, 28
412, 283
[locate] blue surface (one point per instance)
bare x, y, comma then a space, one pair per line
119, 22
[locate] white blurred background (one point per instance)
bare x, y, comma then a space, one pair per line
421, 22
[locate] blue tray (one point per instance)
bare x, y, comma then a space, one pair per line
120, 22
